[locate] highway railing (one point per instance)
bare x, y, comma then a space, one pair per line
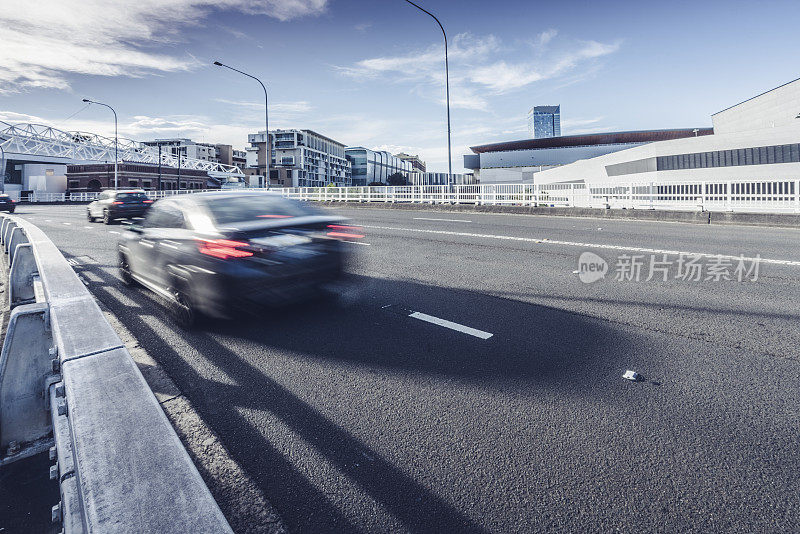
68, 384
36, 196
779, 195
769, 196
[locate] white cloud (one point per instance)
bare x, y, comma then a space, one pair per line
44, 41
425, 64
546, 36
471, 64
297, 107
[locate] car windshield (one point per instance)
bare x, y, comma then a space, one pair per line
226, 210
131, 196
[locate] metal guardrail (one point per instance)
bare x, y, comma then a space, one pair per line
762, 195
769, 196
68, 384
88, 197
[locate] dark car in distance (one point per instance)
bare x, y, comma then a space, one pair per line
111, 205
7, 203
215, 254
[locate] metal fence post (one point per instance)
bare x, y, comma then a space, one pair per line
797, 196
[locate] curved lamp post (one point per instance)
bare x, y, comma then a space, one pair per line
447, 85
116, 139
266, 118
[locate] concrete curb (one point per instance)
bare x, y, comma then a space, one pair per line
780, 220
694, 217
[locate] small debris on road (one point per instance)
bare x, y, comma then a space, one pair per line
632, 375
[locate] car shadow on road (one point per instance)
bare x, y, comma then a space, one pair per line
368, 326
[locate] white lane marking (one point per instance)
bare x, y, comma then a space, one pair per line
451, 325
545, 241
89, 227
359, 243
113, 232
66, 224
50, 220
444, 220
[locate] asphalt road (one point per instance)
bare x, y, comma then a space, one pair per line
354, 416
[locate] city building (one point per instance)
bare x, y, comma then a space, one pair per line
370, 166
440, 178
185, 148
757, 140
257, 155
99, 176
227, 155
304, 158
518, 161
217, 153
544, 121
417, 165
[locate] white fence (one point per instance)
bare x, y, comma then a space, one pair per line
780, 195
776, 196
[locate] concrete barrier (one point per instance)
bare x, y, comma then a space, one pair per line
695, 217
68, 384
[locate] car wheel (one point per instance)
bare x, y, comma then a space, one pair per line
11, 210
183, 309
89, 216
125, 271
107, 217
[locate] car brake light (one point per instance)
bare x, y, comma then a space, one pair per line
147, 201
223, 248
337, 233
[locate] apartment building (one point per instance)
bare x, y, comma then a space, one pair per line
305, 158
417, 165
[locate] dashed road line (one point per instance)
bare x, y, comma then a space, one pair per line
545, 241
443, 220
358, 243
451, 325
113, 232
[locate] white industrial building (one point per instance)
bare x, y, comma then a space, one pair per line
518, 161
754, 142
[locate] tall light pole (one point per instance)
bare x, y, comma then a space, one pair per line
266, 118
447, 85
3, 168
116, 139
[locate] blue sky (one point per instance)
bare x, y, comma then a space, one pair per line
371, 72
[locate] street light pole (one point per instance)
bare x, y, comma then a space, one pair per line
266, 119
447, 86
116, 140
3, 168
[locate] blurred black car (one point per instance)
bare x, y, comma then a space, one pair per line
220, 253
7, 203
121, 204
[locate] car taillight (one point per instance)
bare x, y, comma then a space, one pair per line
223, 248
116, 203
147, 201
344, 231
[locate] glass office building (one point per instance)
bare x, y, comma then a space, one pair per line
544, 121
374, 165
